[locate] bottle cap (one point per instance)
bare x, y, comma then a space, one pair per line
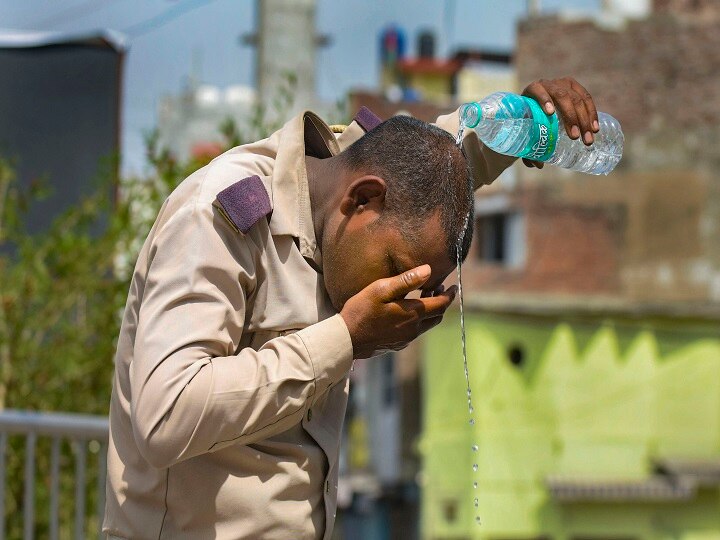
470, 114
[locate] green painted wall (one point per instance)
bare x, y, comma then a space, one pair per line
593, 399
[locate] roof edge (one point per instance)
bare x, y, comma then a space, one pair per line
25, 39
590, 306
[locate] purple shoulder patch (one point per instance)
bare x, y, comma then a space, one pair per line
245, 202
367, 119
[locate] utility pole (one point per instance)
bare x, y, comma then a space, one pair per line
286, 44
533, 7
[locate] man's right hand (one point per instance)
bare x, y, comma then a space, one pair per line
380, 317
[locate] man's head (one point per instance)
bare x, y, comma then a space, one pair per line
403, 195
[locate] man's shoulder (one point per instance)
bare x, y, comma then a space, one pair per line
228, 193
234, 166
244, 202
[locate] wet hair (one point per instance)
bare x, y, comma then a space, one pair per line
425, 172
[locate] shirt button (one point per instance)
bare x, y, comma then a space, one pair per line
309, 415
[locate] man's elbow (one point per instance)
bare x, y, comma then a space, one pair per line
158, 447
164, 428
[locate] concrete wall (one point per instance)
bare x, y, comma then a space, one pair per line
595, 398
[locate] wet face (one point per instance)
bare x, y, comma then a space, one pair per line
361, 248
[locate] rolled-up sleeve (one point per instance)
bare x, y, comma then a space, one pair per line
485, 164
192, 391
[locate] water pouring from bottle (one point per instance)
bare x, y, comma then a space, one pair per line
471, 410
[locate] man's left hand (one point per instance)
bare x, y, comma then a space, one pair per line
573, 103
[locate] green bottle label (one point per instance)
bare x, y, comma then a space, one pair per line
545, 133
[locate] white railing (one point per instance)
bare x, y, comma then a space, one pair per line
80, 430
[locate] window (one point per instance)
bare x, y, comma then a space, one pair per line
501, 239
516, 355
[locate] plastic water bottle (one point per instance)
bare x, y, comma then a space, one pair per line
517, 126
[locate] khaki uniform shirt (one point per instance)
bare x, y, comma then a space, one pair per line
231, 383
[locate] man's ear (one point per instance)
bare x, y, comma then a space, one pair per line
364, 194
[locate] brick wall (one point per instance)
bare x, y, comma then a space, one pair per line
706, 9
571, 249
661, 78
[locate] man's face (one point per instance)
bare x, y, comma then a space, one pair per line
358, 250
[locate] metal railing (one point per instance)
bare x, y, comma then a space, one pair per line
81, 430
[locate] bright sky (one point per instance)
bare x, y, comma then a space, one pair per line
164, 35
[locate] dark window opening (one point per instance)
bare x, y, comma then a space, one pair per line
450, 510
492, 238
501, 239
516, 355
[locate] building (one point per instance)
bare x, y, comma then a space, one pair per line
55, 84
593, 311
189, 124
591, 421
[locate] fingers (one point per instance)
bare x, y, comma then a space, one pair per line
589, 105
531, 164
584, 121
424, 308
539, 93
438, 290
568, 112
397, 287
573, 102
429, 323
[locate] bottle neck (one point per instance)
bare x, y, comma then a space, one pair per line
470, 115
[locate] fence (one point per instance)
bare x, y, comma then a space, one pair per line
81, 430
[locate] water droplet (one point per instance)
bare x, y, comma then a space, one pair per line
474, 447
475, 485
477, 519
475, 467
469, 392
476, 502
472, 421
471, 410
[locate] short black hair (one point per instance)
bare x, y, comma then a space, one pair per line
425, 171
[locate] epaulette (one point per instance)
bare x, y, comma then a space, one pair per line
243, 203
367, 119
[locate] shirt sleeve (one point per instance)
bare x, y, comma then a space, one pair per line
485, 164
192, 391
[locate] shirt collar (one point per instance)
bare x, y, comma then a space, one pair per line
304, 135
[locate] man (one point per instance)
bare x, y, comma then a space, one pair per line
265, 275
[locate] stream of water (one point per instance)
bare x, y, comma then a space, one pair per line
471, 411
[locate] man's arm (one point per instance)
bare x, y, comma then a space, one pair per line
485, 164
191, 393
